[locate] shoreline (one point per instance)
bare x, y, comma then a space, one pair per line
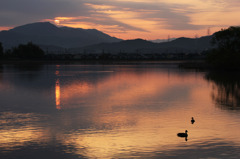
182, 64
91, 61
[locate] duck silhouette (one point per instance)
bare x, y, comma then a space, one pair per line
192, 121
183, 134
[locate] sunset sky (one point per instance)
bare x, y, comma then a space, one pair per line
127, 19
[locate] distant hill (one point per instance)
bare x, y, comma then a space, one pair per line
180, 45
50, 36
190, 45
126, 46
162, 40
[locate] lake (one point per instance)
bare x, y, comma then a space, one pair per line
129, 110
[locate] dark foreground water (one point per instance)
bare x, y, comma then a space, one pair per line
117, 111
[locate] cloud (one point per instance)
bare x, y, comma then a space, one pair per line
99, 20
123, 16
13, 12
172, 16
18, 12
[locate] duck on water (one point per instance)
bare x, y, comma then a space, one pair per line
183, 134
192, 121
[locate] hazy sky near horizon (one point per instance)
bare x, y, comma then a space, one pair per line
127, 19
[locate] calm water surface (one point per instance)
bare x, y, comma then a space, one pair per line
117, 111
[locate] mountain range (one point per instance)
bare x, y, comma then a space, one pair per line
55, 39
47, 34
180, 45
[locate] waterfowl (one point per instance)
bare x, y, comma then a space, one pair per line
192, 121
183, 134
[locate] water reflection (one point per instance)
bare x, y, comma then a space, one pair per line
225, 89
116, 111
57, 94
128, 88
17, 130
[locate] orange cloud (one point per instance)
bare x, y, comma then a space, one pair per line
155, 19
5, 28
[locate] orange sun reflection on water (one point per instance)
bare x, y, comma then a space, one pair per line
57, 94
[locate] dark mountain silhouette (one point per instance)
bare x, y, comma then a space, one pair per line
180, 45
47, 35
53, 39
190, 45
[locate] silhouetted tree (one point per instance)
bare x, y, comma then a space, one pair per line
28, 51
228, 39
227, 51
1, 50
